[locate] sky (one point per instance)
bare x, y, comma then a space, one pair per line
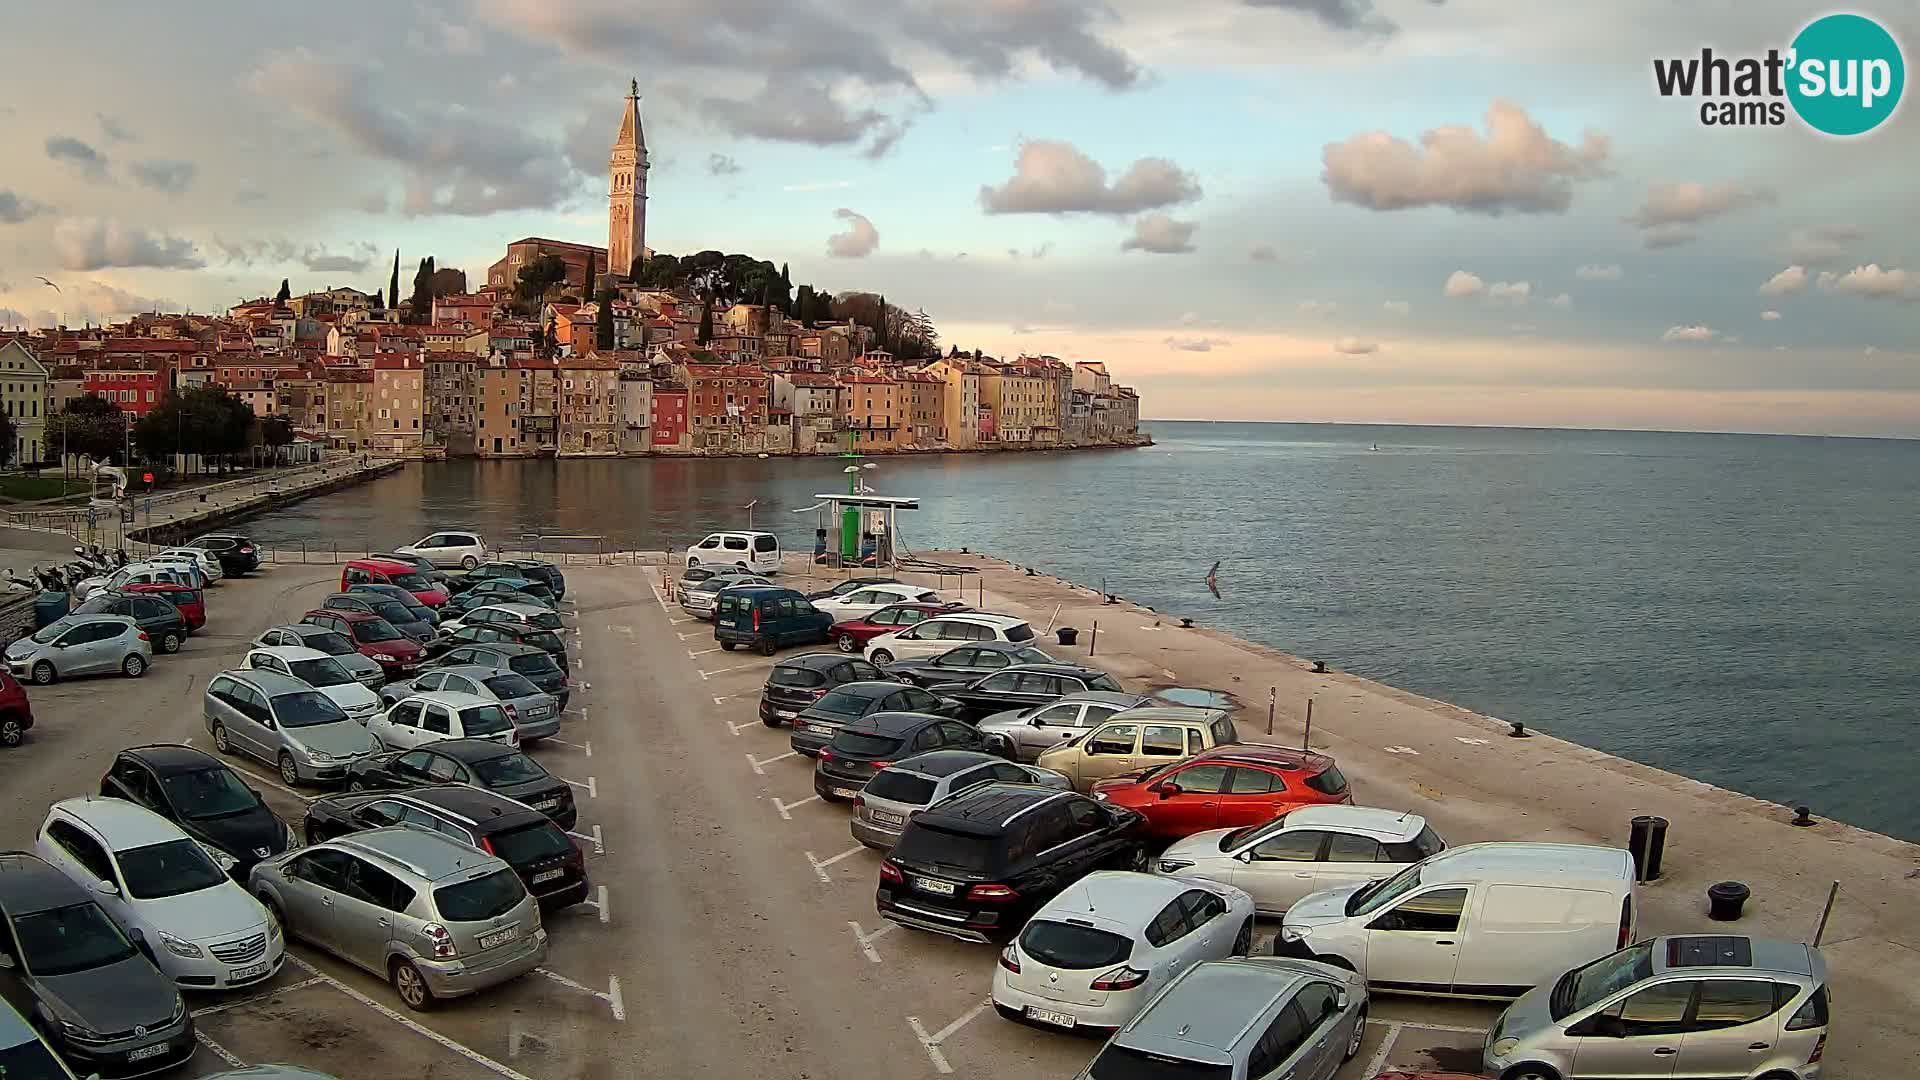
1396, 211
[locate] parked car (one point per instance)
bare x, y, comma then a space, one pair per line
325, 639
503, 590
407, 620
192, 603
1303, 851
438, 715
843, 587
424, 565
904, 788
141, 574
533, 616
1024, 687
1093, 956
323, 673
206, 799
387, 572
197, 925
101, 1004
748, 552
528, 661
81, 645
543, 572
534, 712
702, 597
965, 662
765, 617
377, 639
695, 573
433, 915
419, 611
166, 628
496, 767
186, 568
1228, 787
461, 548
1243, 1018
873, 742
1137, 740
511, 634
978, 865
238, 554
817, 724
204, 561
797, 682
852, 636
16, 712
487, 571
1484, 920
548, 862
284, 722
861, 603
1022, 733
1706, 1005
934, 636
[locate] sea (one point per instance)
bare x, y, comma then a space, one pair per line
1741, 609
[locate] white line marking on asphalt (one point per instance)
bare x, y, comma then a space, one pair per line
783, 807
241, 1003
724, 698
600, 903
599, 845
692, 655
1401, 750
412, 1025
611, 996
932, 1042
1449, 1029
593, 791
614, 1001
820, 867
627, 630
671, 621
586, 747
724, 670
738, 728
1469, 742
759, 766
217, 1050
866, 941
684, 637
274, 784
1378, 1063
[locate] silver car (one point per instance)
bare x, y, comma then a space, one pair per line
1706, 1005
1022, 733
534, 713
81, 645
437, 917
902, 790
700, 598
325, 639
284, 722
1243, 1019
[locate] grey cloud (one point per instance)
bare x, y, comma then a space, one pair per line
98, 301
1357, 15
113, 129
722, 165
1054, 177
1822, 243
1600, 272
99, 243
802, 112
172, 177
1516, 166
1161, 235
1667, 236
71, 151
1687, 204
250, 196
1199, 344
12, 318
858, 242
14, 209
1351, 346
988, 38
284, 252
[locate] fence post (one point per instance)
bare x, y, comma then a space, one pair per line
1271, 692
1306, 738
1095, 639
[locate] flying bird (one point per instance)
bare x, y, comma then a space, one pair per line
48, 284
1213, 580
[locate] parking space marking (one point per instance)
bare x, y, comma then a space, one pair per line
592, 789
783, 807
722, 699
738, 728
737, 667
611, 996
932, 1042
684, 637
216, 1049
599, 902
599, 845
253, 999
274, 784
1378, 1063
671, 621
412, 1025
759, 766
820, 867
1401, 750
586, 747
866, 941
692, 655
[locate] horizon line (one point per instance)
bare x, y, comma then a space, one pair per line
1535, 427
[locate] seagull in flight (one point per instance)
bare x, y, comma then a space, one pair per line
49, 284
1213, 580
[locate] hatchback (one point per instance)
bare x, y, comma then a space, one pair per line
163, 623
433, 915
323, 673
1228, 787
451, 548
1094, 955
16, 712
284, 722
201, 559
534, 712
797, 682
852, 635
861, 603
528, 661
511, 633
816, 725
1022, 733
854, 584
415, 622
81, 645
1025, 686
544, 572
487, 571
1304, 851
435, 715
191, 602
1705, 1005
208, 800
903, 789
943, 632
420, 611
1137, 740
497, 768
875, 741
496, 591
327, 640
966, 662
377, 639
533, 616
765, 617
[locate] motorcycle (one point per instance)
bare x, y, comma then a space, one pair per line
16, 583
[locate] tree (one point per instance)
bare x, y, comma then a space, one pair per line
587, 288
89, 425
539, 274
206, 420
786, 289
638, 271
448, 281
706, 323
806, 306
423, 291
393, 284
603, 321
276, 432
919, 340
8, 437
285, 293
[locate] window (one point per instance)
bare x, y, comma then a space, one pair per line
1436, 912
1656, 1010
1223, 731
1812, 1012
1051, 827
1113, 739
84, 849
1002, 683
1727, 1003
1282, 1039
1170, 925
1162, 741
1316, 1002
1256, 782
437, 721
442, 770
1202, 907
1299, 846
1201, 779
374, 885
1346, 848
1033, 682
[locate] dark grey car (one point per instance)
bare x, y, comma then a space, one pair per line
533, 663
416, 624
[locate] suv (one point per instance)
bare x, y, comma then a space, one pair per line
765, 617
327, 640
548, 862
798, 681
1706, 1005
976, 866
905, 788
529, 661
208, 800
432, 914
163, 623
81, 645
1026, 686
377, 639
460, 548
284, 722
1137, 740
323, 673
877, 740
237, 553
814, 728
852, 635
16, 712
1243, 1019
936, 635
533, 616
508, 633
1233, 786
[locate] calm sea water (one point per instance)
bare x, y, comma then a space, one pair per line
1741, 609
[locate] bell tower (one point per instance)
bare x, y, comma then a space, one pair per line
627, 190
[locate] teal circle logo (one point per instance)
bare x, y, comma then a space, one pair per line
1846, 74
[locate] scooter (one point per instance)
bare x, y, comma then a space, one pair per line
51, 579
16, 583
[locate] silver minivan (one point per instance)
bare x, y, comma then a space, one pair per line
81, 645
283, 721
436, 917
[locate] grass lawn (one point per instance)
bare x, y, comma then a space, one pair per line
24, 487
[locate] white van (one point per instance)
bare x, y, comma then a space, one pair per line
749, 552
1485, 920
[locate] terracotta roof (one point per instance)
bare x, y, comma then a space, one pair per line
589, 363
396, 362
813, 380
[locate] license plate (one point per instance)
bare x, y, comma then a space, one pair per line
539, 714
1045, 1016
146, 1052
885, 818
547, 804
499, 937
251, 971
844, 793
785, 714
548, 875
942, 888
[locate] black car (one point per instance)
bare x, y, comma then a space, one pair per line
814, 728
797, 682
874, 742
404, 619
208, 800
237, 554
494, 766
487, 571
964, 663
163, 623
533, 663
511, 633
547, 860
543, 572
1024, 686
976, 866
842, 588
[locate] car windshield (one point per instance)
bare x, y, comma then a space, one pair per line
209, 793
1032, 655
374, 631
96, 605
485, 720
1076, 948
63, 940
901, 787
306, 708
842, 704
545, 639
1372, 898
798, 677
480, 899
168, 869
860, 744
393, 611
410, 581
320, 672
530, 843
508, 769
1103, 682
1125, 1063
509, 686
929, 846
545, 620
50, 631
531, 664
1590, 985
31, 1060
331, 644
1251, 833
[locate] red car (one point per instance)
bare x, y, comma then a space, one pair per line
191, 602
853, 635
389, 572
1226, 788
16, 715
374, 638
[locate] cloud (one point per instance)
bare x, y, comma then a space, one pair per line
320, 260
1791, 280
71, 151
1874, 283
1054, 177
1355, 347
1512, 292
1355, 15
13, 318
112, 129
803, 111
1199, 344
283, 252
987, 39
1263, 253
1461, 283
1397, 307
1770, 316
721, 165
1564, 302
858, 242
1690, 333
97, 301
97, 243
1597, 272
172, 177
14, 209
1317, 307
1822, 243
1516, 166
1160, 234
1687, 204
1666, 236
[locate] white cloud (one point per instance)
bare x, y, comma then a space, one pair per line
1461, 283
1196, 344
98, 243
1564, 302
1054, 177
1791, 280
1515, 166
1318, 307
1355, 347
1596, 272
1396, 307
1822, 243
1690, 333
1160, 234
1677, 204
1188, 318
858, 242
1874, 283
1770, 316
1513, 292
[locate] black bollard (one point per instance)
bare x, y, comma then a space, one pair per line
1647, 841
1803, 816
1725, 899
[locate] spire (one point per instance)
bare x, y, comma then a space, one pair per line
631, 134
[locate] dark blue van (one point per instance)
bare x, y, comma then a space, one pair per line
766, 617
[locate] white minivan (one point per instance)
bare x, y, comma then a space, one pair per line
1485, 920
749, 552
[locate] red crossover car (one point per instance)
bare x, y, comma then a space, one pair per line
191, 602
16, 715
373, 637
1226, 788
853, 635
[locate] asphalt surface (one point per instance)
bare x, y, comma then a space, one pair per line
733, 931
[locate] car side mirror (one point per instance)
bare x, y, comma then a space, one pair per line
1340, 999
1169, 789
1245, 856
107, 888
1037, 722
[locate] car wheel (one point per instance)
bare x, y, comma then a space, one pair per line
355, 785
289, 775
1359, 1034
170, 642
11, 733
411, 987
469, 562
220, 742
742, 567
134, 665
43, 674
727, 646
881, 657
1530, 1071
847, 644
769, 720
768, 646
693, 561
1243, 941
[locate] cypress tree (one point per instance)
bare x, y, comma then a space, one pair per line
706, 322
286, 292
603, 322
393, 285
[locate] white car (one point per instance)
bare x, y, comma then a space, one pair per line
139, 573
205, 560
747, 552
323, 673
433, 715
1304, 851
1094, 955
200, 928
863, 602
449, 548
942, 632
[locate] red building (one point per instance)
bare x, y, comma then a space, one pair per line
669, 416
135, 389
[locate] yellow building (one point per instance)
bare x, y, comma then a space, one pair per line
876, 413
23, 395
399, 407
960, 422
